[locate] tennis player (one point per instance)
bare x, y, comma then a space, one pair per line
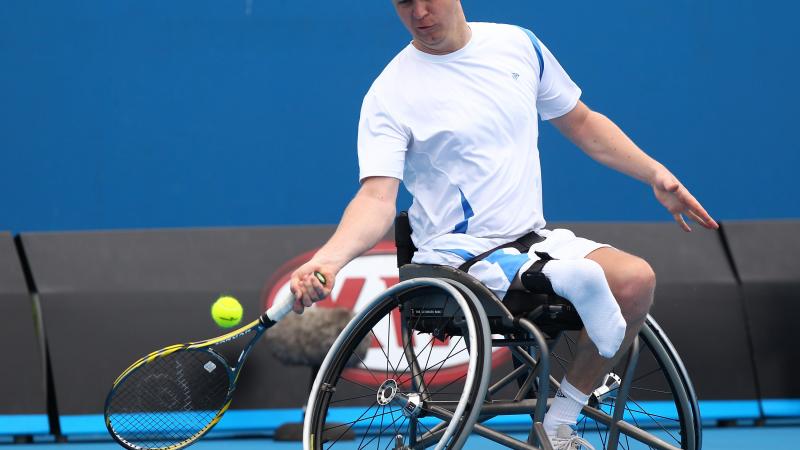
454, 117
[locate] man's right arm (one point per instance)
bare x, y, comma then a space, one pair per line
365, 221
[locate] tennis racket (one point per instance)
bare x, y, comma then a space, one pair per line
172, 397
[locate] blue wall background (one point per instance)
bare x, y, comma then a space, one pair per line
127, 114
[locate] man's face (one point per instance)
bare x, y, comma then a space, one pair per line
434, 24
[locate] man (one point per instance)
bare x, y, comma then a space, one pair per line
453, 115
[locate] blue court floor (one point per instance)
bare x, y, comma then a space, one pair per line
733, 438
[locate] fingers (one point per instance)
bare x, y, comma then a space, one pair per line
699, 215
313, 289
305, 298
695, 210
679, 218
302, 299
679, 202
699, 219
307, 288
297, 292
693, 215
297, 306
320, 289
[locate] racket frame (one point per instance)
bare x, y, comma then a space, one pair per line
258, 326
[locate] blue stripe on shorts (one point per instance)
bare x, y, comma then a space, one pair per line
510, 263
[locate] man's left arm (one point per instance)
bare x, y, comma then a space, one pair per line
606, 143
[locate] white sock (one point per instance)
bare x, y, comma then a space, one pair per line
583, 283
566, 407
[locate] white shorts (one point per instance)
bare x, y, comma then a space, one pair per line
563, 244
498, 270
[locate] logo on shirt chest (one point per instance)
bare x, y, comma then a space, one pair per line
514, 75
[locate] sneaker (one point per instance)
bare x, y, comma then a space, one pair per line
567, 439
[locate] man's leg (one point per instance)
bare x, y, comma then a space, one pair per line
625, 279
632, 281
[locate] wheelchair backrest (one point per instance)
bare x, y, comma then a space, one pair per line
402, 239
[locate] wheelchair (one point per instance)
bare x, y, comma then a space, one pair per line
451, 361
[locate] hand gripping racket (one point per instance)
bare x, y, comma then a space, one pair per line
172, 397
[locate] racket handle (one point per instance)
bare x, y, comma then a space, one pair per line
283, 306
280, 308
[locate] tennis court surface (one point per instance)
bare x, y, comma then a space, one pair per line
717, 438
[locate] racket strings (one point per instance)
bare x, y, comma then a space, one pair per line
170, 400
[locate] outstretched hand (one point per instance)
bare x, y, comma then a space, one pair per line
680, 202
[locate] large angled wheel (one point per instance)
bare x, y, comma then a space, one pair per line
660, 408
426, 368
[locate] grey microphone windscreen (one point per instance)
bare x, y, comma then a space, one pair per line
304, 340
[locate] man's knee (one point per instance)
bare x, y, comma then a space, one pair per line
635, 287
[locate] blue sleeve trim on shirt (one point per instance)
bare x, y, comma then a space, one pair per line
461, 228
538, 48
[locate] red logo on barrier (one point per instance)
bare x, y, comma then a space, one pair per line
356, 285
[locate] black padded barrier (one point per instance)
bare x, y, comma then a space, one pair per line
22, 386
697, 301
108, 298
767, 258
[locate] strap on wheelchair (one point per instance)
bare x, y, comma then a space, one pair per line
523, 244
534, 280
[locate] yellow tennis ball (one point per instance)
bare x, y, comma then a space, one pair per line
226, 311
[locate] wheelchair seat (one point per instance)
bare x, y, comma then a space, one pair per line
550, 312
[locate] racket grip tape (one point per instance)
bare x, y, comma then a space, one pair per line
283, 306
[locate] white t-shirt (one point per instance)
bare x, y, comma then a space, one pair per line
461, 131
